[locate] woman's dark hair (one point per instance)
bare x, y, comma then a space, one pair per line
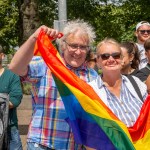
91, 56
132, 49
147, 45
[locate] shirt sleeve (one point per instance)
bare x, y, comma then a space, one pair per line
36, 70
142, 86
15, 91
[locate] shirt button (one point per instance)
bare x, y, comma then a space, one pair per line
121, 103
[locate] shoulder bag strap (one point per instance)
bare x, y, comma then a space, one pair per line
148, 67
135, 86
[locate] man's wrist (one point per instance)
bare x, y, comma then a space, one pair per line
33, 37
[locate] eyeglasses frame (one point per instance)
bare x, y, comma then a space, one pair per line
87, 48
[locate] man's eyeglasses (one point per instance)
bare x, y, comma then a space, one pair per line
144, 31
106, 56
74, 47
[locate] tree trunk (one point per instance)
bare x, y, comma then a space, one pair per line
30, 19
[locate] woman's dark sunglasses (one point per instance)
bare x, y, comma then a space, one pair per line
144, 31
106, 56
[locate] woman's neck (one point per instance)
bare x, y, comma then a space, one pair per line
113, 84
113, 80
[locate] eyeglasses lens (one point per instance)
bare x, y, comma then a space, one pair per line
144, 31
74, 47
106, 56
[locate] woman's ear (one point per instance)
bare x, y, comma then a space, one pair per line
2, 55
131, 57
1, 58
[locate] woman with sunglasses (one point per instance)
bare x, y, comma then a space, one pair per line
131, 60
142, 33
115, 89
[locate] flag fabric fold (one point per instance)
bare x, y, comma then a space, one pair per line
92, 122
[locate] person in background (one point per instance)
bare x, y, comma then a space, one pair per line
10, 84
91, 61
130, 61
142, 33
115, 89
143, 73
48, 128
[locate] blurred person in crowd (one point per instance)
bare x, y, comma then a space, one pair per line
143, 73
91, 60
130, 61
142, 33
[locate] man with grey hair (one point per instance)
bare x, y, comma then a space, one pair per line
48, 128
10, 84
142, 33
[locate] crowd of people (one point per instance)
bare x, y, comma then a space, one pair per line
48, 129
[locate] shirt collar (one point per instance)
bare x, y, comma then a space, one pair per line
101, 83
82, 67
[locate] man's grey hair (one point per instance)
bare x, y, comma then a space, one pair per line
78, 25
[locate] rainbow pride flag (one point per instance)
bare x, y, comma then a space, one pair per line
92, 122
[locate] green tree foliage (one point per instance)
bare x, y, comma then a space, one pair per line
133, 11
8, 24
115, 19
110, 18
48, 11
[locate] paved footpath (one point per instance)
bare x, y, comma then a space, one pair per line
24, 112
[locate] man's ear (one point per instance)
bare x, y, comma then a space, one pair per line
62, 46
